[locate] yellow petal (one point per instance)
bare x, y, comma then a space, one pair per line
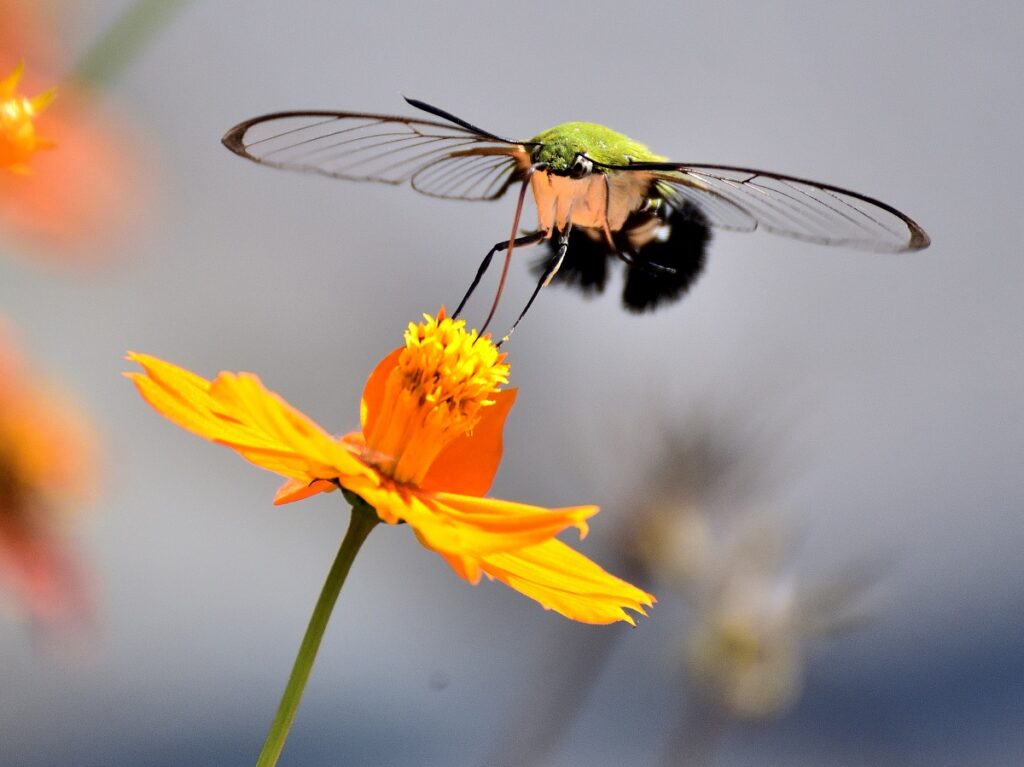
467, 568
40, 102
296, 490
463, 525
237, 411
10, 83
563, 580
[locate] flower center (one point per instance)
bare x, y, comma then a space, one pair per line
441, 382
18, 138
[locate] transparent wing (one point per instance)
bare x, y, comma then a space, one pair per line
720, 211
474, 174
744, 199
441, 160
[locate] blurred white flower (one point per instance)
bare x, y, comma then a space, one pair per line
754, 618
701, 471
746, 650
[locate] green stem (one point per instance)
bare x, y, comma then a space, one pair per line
123, 40
364, 518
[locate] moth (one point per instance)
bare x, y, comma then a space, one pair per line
599, 195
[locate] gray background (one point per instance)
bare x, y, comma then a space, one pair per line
885, 392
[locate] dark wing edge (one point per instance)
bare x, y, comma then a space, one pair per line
787, 205
452, 161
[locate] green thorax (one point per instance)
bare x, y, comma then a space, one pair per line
560, 146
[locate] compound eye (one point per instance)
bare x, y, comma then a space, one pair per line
581, 167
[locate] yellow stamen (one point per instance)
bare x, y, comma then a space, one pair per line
442, 380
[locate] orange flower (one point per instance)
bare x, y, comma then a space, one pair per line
79, 201
47, 458
432, 416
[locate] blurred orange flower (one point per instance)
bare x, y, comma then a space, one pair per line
47, 468
82, 201
432, 416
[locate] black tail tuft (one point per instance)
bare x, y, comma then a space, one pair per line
681, 259
661, 271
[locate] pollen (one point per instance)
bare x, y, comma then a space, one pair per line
18, 137
441, 382
450, 369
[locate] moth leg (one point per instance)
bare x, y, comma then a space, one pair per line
632, 259
527, 239
628, 257
543, 282
527, 176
